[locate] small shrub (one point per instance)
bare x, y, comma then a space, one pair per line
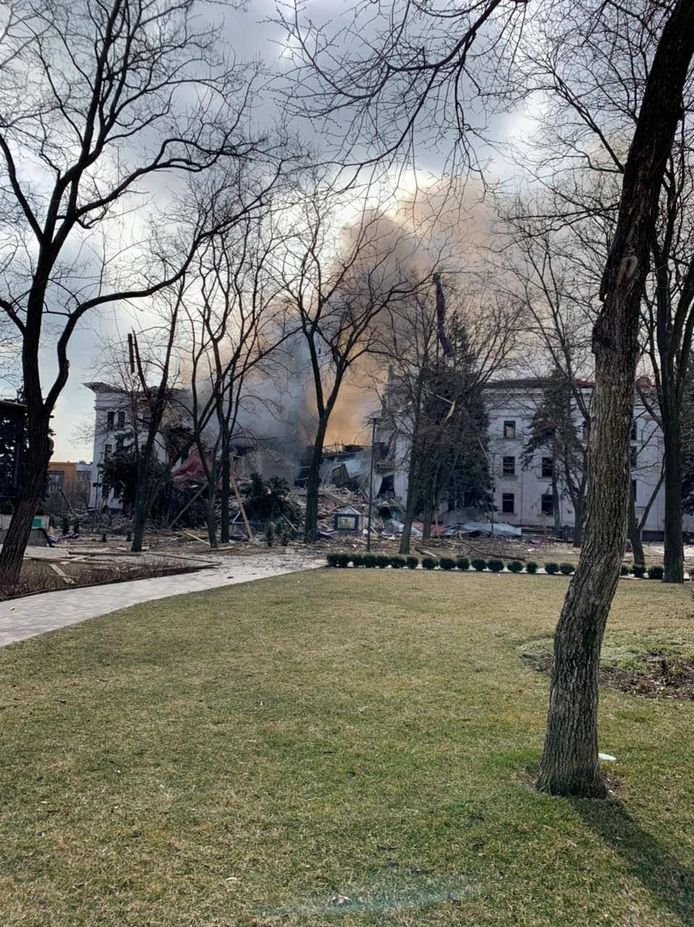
551, 568
655, 572
639, 571
332, 560
412, 562
515, 566
624, 570
531, 567
446, 563
496, 566
398, 563
369, 560
382, 561
343, 560
357, 560
479, 564
566, 568
463, 563
429, 563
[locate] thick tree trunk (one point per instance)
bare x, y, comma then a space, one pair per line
313, 483
31, 484
570, 759
672, 461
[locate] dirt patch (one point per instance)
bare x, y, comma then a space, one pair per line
664, 675
655, 673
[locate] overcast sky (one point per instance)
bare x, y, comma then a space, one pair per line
251, 35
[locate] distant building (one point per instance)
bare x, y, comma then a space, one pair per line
68, 485
522, 491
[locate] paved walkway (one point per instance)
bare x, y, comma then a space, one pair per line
48, 611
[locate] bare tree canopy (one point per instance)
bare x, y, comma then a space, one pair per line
391, 78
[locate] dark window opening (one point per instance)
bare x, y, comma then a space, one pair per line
634, 436
547, 504
633, 457
508, 503
509, 466
547, 467
121, 419
110, 417
509, 430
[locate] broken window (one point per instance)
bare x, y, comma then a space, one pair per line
510, 430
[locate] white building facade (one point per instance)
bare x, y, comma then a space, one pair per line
523, 493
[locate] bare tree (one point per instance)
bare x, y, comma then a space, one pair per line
337, 286
235, 328
439, 361
97, 102
570, 764
593, 71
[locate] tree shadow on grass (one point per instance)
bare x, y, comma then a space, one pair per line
655, 867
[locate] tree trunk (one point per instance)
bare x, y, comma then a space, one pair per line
225, 494
556, 501
140, 509
672, 465
31, 484
634, 533
570, 759
413, 491
427, 519
212, 515
313, 483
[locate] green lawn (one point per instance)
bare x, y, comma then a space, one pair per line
341, 747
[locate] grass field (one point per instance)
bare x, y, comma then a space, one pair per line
339, 747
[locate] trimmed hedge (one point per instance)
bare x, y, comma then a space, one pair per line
429, 563
412, 563
446, 563
514, 566
531, 567
551, 568
496, 566
656, 572
369, 560
624, 570
639, 571
382, 561
463, 563
479, 564
566, 568
398, 563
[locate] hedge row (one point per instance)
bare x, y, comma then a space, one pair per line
462, 563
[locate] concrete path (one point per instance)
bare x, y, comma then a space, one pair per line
48, 611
